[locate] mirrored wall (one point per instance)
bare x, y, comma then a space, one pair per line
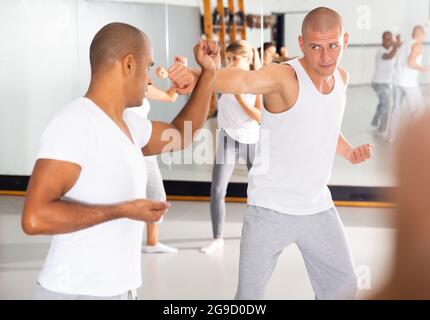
44, 65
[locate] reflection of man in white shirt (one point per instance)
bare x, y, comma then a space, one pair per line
382, 81
406, 87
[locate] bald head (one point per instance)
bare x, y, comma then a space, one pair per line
322, 20
113, 42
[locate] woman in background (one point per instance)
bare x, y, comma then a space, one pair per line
238, 123
269, 53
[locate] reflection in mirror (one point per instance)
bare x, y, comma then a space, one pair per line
226, 22
372, 114
381, 93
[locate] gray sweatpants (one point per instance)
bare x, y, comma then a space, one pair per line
45, 294
228, 152
321, 240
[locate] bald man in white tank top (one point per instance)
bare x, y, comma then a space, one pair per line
288, 198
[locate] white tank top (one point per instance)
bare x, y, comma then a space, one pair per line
405, 76
296, 150
235, 121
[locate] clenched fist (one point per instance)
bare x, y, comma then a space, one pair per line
145, 210
359, 154
207, 55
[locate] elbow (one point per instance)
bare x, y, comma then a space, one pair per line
173, 97
30, 223
30, 228
257, 116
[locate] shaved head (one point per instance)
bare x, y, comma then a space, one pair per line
113, 42
322, 20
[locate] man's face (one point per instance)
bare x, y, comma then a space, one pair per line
323, 51
139, 79
387, 40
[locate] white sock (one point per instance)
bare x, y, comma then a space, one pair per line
159, 248
213, 246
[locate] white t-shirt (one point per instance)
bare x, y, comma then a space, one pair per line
234, 120
384, 69
143, 110
104, 260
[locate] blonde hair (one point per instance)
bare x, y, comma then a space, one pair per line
243, 48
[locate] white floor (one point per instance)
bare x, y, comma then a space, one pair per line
192, 275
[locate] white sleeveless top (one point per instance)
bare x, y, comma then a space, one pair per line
235, 121
295, 154
405, 76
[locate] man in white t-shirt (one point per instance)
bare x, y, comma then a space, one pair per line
88, 187
382, 81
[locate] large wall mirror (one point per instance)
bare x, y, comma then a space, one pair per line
44, 65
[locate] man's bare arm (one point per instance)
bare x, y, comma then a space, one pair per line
46, 213
231, 80
258, 82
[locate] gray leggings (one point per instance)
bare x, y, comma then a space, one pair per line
228, 152
321, 240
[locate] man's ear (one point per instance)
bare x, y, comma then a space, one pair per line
345, 40
301, 43
128, 64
